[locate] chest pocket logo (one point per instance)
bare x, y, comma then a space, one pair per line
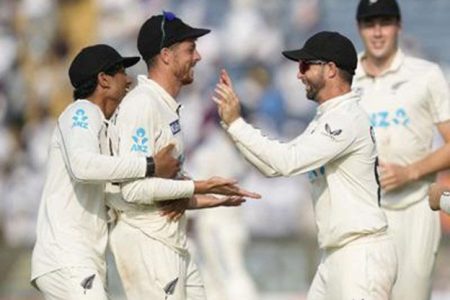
175, 127
140, 141
80, 119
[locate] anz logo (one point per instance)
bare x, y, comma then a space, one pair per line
384, 119
80, 119
140, 141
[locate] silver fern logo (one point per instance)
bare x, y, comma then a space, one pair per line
169, 289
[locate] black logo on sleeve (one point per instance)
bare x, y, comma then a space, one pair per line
331, 132
88, 282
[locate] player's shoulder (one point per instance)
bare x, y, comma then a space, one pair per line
419, 65
81, 109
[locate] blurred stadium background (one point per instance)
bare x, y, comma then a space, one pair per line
38, 38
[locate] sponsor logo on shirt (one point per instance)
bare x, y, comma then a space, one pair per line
140, 141
332, 133
175, 127
80, 119
384, 119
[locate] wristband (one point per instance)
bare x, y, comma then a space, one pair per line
150, 171
444, 202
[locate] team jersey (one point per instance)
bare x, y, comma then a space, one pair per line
404, 103
146, 121
71, 226
338, 153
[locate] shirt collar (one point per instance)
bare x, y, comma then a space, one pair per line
168, 99
336, 101
394, 67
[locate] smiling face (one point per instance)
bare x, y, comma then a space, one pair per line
185, 57
313, 77
380, 36
117, 87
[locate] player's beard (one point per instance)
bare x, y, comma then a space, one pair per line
313, 88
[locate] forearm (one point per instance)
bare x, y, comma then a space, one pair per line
151, 190
93, 167
203, 201
436, 161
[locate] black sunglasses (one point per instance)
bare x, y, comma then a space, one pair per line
304, 65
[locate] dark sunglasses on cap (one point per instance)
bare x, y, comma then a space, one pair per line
169, 16
304, 65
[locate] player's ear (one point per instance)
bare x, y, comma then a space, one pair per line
103, 79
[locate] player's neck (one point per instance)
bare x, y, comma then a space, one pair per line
167, 82
333, 91
375, 66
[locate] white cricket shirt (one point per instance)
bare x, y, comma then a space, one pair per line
404, 103
339, 154
148, 120
71, 227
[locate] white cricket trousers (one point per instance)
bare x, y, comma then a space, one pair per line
363, 269
151, 270
416, 233
72, 284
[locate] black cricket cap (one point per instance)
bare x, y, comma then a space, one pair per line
377, 8
95, 59
162, 31
327, 46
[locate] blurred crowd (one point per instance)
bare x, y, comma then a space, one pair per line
38, 39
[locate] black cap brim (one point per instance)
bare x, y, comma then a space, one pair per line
299, 54
130, 61
192, 33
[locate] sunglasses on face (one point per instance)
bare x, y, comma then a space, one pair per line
167, 15
304, 65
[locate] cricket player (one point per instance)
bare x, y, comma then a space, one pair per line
406, 98
69, 255
338, 152
149, 248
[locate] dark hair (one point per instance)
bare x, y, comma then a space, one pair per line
87, 88
346, 76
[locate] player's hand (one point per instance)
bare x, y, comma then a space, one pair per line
231, 201
209, 201
393, 176
434, 196
166, 166
173, 209
228, 104
222, 186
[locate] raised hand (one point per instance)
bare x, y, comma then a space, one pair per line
228, 104
166, 166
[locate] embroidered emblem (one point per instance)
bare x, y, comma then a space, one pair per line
88, 282
169, 289
332, 132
